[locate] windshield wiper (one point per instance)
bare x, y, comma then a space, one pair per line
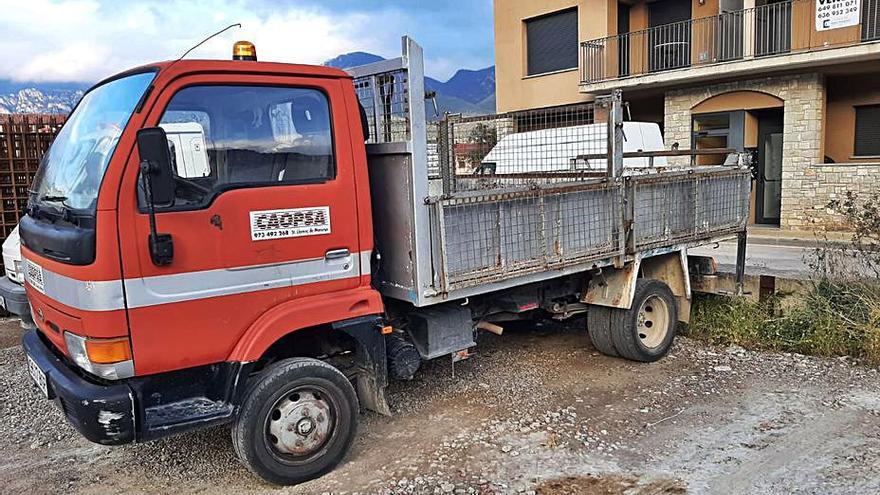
53, 199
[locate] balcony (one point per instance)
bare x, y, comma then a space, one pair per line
776, 36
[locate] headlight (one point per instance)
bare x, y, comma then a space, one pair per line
106, 358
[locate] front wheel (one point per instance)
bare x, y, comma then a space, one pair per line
297, 421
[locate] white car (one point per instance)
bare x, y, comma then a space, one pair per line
12, 295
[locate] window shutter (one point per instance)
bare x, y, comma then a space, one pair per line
552, 42
867, 131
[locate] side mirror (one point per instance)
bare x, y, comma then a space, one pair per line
159, 188
156, 163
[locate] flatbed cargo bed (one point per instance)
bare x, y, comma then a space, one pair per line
444, 233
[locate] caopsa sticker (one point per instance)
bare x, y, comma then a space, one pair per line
297, 222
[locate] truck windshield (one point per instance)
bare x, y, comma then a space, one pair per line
72, 169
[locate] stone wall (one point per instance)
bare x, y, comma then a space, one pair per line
833, 182
803, 114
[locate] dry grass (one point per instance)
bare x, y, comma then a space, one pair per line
833, 318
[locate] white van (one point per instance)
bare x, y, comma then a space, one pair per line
559, 149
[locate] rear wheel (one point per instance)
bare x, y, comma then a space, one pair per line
645, 332
599, 328
297, 421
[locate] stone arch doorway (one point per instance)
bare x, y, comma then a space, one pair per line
746, 121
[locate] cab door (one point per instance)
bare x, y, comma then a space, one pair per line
265, 212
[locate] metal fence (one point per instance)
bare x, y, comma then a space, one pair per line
683, 206
870, 29
487, 237
24, 139
765, 30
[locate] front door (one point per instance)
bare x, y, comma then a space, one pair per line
769, 169
264, 213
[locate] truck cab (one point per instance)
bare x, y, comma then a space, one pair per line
264, 211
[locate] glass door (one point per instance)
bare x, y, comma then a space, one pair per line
769, 186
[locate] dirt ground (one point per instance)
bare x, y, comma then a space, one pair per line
535, 411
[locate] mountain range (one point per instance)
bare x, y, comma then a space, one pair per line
471, 92
34, 97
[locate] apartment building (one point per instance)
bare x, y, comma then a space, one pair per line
797, 82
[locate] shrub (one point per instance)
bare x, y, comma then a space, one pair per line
839, 314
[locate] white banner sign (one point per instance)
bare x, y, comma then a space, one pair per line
297, 222
833, 14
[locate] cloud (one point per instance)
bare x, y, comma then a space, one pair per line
86, 40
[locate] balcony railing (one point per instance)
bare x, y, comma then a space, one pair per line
766, 30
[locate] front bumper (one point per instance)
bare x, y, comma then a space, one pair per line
102, 413
140, 408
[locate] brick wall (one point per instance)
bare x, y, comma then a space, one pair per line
23, 141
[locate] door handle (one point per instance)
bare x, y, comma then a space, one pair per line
335, 254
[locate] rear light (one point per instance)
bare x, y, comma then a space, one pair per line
106, 358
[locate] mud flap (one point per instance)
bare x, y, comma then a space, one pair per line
372, 374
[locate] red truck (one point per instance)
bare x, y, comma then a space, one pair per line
212, 242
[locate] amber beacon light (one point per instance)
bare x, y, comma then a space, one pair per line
244, 50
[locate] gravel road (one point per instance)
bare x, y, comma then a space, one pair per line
536, 411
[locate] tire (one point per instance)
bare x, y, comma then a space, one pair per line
599, 329
313, 409
651, 338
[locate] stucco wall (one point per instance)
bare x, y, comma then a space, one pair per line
844, 93
514, 88
803, 114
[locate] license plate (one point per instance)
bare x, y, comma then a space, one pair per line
34, 275
38, 376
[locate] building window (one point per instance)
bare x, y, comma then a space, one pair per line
552, 42
867, 130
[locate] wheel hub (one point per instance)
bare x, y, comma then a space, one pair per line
653, 321
300, 423
305, 426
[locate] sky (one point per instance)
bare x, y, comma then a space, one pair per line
87, 40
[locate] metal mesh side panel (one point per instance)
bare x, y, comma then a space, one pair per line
689, 207
493, 238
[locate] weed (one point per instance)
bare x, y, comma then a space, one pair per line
839, 314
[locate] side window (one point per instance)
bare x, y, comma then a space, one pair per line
225, 137
867, 135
